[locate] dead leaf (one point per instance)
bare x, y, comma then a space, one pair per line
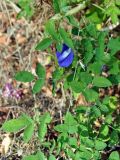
4, 40
81, 100
20, 39
5, 144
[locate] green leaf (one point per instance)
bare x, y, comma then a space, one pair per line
69, 126
96, 155
114, 156
38, 156
50, 28
115, 79
57, 74
69, 119
115, 69
88, 51
108, 119
61, 128
91, 29
95, 111
24, 76
95, 67
71, 123
70, 154
94, 17
40, 71
38, 86
85, 77
104, 108
27, 9
59, 46
28, 118
28, 132
73, 142
101, 46
44, 44
73, 21
65, 37
56, 6
30, 157
101, 82
114, 45
52, 157
90, 95
45, 118
87, 142
83, 130
118, 2
85, 155
42, 130
77, 86
114, 138
15, 125
113, 11
99, 145
104, 130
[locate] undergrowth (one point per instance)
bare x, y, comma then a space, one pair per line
85, 59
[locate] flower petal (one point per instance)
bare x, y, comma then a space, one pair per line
67, 61
65, 57
65, 47
65, 54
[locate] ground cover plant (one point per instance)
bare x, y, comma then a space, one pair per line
83, 44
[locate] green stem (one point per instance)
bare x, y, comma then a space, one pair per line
70, 12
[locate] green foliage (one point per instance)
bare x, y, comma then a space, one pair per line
88, 51
113, 45
24, 122
41, 73
44, 44
24, 76
90, 95
88, 131
15, 125
69, 126
66, 38
27, 9
52, 157
51, 29
38, 86
38, 156
113, 11
114, 156
99, 145
42, 129
101, 82
28, 132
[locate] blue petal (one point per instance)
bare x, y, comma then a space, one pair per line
67, 61
64, 55
65, 47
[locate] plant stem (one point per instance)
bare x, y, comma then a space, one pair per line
70, 12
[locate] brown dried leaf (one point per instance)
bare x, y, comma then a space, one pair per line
5, 144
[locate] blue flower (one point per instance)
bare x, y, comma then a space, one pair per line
65, 57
